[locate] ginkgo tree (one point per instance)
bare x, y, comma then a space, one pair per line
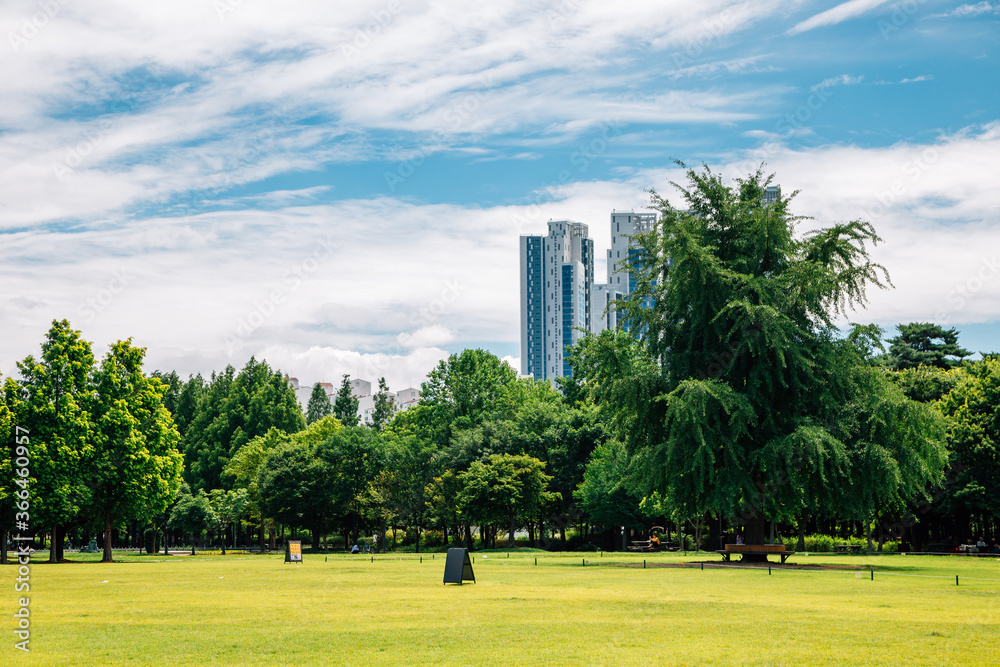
729, 382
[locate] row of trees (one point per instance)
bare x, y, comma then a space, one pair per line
101, 448
728, 394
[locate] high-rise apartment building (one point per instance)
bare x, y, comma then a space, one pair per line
602, 308
557, 272
625, 224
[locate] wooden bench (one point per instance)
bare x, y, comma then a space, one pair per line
766, 549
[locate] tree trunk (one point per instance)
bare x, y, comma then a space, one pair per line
468, 537
107, 537
754, 531
222, 537
53, 556
315, 538
802, 535
3, 547
510, 533
60, 543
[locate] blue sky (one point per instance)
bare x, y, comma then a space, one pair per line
341, 189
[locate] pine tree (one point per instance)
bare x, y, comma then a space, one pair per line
345, 407
925, 344
384, 407
319, 404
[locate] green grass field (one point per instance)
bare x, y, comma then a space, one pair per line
258, 610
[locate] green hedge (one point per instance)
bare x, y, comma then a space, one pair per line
827, 543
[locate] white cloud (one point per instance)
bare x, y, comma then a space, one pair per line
916, 79
842, 80
965, 11
329, 289
838, 14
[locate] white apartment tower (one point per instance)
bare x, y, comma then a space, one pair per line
557, 272
625, 224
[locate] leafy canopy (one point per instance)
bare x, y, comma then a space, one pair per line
730, 389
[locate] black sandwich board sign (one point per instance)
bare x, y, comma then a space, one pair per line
458, 567
293, 551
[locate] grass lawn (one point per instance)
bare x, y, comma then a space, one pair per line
157, 610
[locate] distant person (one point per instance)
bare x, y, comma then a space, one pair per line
374, 541
739, 539
654, 541
996, 547
355, 549
981, 544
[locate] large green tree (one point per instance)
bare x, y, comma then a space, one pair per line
973, 411
925, 344
191, 514
467, 389
228, 507
505, 489
135, 469
245, 466
730, 390
604, 495
233, 409
58, 398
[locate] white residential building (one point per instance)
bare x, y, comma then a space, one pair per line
360, 389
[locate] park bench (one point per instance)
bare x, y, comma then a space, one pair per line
848, 548
766, 549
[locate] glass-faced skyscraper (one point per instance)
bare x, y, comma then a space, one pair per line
557, 272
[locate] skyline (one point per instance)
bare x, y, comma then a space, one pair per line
345, 194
